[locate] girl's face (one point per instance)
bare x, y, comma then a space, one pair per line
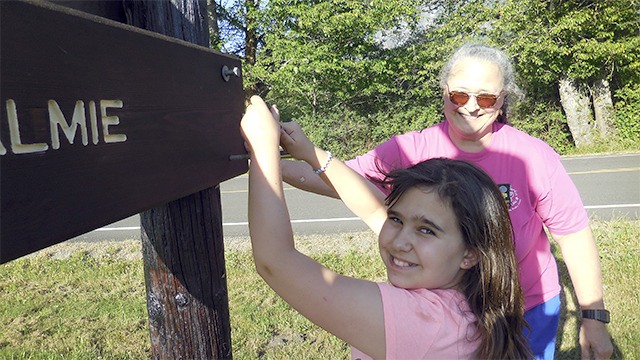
470, 122
421, 243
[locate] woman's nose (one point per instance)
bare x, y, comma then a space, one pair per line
472, 104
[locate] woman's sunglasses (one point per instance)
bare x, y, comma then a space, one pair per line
483, 100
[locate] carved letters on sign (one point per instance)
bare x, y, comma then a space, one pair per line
57, 122
100, 121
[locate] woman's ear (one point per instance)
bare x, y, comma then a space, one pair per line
469, 260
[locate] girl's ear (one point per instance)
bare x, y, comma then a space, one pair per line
469, 260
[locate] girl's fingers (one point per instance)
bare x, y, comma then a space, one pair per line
275, 112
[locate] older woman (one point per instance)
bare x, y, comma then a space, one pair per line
477, 84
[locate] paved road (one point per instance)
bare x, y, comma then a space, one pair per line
609, 186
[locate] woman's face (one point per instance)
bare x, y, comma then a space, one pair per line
470, 123
421, 244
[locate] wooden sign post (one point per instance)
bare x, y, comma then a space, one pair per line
99, 121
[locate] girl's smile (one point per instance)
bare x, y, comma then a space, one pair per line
401, 264
421, 243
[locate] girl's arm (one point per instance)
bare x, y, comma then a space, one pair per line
349, 308
300, 175
360, 196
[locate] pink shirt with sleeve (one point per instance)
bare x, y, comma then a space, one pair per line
536, 186
426, 324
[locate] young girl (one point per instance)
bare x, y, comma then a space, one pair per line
444, 237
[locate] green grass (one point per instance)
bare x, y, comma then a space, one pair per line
81, 307
619, 247
606, 146
89, 302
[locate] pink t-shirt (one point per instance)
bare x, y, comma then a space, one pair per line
426, 324
539, 190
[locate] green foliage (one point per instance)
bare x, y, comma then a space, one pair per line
322, 55
583, 40
544, 121
355, 73
325, 66
347, 134
628, 112
342, 132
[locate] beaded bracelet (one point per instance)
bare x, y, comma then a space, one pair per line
324, 167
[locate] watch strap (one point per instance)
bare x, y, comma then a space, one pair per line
601, 315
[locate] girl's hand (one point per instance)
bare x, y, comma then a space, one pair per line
296, 143
259, 128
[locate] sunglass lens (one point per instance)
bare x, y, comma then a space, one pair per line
486, 100
458, 98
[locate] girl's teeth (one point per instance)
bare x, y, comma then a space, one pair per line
400, 262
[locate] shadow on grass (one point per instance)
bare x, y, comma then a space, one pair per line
570, 298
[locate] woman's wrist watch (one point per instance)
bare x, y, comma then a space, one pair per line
599, 314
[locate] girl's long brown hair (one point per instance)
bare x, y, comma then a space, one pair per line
492, 287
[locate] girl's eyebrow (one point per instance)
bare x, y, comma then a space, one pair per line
421, 219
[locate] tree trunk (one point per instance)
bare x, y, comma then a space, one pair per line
577, 107
181, 19
251, 47
182, 241
603, 108
214, 30
251, 35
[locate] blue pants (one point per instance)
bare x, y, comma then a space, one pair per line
543, 320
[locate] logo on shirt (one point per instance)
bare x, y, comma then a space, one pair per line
510, 196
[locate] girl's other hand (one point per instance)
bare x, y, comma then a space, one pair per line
294, 141
259, 128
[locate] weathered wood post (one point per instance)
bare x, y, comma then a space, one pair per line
185, 278
100, 121
182, 241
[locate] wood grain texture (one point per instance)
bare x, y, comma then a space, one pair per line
180, 118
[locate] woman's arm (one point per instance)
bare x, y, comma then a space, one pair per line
581, 257
349, 308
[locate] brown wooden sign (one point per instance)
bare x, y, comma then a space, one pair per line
100, 121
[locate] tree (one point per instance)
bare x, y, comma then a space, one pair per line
579, 45
355, 73
323, 65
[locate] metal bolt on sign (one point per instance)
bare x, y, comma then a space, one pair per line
226, 72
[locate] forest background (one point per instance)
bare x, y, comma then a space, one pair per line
354, 72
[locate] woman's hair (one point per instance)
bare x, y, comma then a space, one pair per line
492, 55
492, 286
